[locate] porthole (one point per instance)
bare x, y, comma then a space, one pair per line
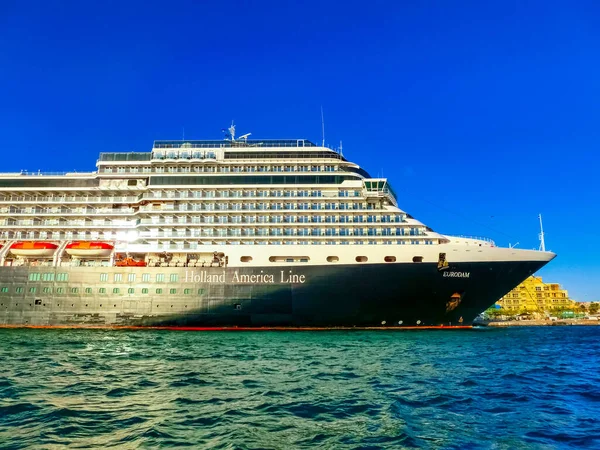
361, 259
332, 259
246, 258
390, 259
417, 259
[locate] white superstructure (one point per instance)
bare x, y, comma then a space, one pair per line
254, 201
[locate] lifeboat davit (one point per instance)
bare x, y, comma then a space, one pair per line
85, 248
33, 248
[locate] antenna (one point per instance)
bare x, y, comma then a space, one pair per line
231, 134
323, 125
542, 243
183, 133
341, 148
232, 131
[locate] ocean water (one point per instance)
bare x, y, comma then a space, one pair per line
463, 389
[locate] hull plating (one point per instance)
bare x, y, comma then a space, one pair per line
313, 296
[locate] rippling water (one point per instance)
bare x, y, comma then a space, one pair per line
494, 388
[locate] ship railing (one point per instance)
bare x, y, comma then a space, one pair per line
46, 174
477, 238
71, 199
251, 143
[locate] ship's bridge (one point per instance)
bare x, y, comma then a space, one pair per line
379, 188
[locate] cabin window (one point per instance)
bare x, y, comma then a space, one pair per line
60, 290
361, 259
102, 291
187, 291
173, 291
145, 277
131, 277
130, 290
289, 258
144, 290
159, 291
19, 290
118, 277
32, 290
74, 290
390, 259
103, 276
131, 182
62, 277
333, 259
417, 259
88, 290
47, 277
174, 277
116, 290
160, 277
34, 277
4, 289
47, 290
200, 291
246, 258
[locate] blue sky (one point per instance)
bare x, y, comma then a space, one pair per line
481, 114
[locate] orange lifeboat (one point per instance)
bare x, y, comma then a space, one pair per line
130, 262
33, 248
84, 248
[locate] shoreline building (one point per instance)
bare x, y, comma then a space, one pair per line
534, 295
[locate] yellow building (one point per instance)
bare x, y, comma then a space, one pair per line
533, 295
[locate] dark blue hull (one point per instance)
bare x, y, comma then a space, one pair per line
416, 294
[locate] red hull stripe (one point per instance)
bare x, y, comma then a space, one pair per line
109, 327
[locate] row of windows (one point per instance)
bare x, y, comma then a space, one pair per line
250, 179
220, 169
76, 290
160, 277
50, 276
247, 192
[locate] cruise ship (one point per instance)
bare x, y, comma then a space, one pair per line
236, 233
